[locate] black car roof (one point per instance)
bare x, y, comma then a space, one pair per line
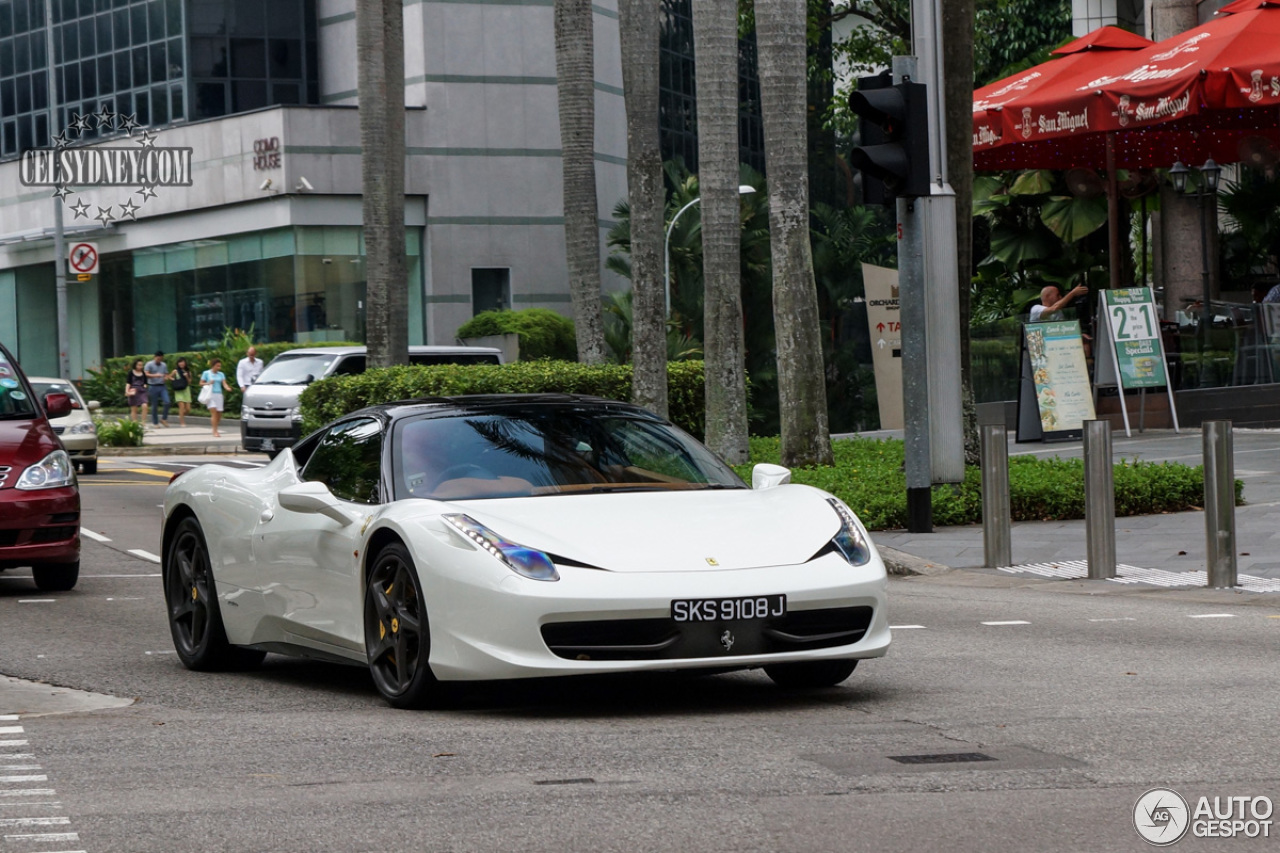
497, 403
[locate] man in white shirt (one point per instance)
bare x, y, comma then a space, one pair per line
1052, 302
249, 369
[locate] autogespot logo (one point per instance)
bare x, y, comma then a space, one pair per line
146, 166
1161, 817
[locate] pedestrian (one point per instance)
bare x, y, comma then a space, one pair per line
1052, 302
181, 378
249, 369
135, 391
157, 392
216, 381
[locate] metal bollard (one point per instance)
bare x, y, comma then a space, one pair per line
1219, 503
1099, 500
996, 537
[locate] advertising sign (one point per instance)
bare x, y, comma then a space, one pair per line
885, 320
1059, 381
1135, 336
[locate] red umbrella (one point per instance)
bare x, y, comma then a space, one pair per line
1196, 95
1076, 58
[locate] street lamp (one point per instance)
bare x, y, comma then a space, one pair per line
743, 189
1209, 172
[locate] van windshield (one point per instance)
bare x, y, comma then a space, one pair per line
295, 369
14, 400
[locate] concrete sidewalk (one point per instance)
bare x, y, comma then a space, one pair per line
1174, 542
196, 438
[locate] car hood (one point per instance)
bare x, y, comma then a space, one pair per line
24, 443
279, 397
668, 531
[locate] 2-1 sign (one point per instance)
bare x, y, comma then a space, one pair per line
83, 258
1133, 322
1135, 337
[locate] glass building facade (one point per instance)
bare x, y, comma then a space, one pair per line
159, 60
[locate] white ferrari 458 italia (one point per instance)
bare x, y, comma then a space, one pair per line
516, 536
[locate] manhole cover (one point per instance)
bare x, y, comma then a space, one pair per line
942, 758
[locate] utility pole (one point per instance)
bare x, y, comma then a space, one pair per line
59, 239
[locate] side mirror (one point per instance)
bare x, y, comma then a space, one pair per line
313, 497
93, 405
766, 476
57, 405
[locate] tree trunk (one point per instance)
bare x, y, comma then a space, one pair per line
380, 45
575, 87
638, 30
802, 393
957, 39
715, 44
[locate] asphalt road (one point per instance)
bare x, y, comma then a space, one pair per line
1079, 702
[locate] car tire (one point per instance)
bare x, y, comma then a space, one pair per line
191, 600
89, 466
397, 637
810, 674
56, 577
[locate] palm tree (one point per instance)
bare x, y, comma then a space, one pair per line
380, 45
715, 47
638, 30
575, 87
802, 394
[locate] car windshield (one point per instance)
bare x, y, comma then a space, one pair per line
14, 401
295, 369
541, 450
43, 388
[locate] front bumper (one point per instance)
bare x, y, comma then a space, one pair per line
81, 447
593, 621
41, 526
266, 434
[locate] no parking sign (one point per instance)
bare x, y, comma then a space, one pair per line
84, 258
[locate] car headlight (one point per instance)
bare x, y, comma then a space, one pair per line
296, 415
851, 542
51, 472
526, 562
82, 428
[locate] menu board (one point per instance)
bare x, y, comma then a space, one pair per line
1135, 337
1059, 377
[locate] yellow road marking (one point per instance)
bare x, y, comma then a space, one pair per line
154, 472
97, 482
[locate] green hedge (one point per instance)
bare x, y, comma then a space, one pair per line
868, 476
106, 384
331, 398
543, 333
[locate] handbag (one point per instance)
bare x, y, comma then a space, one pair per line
206, 394
180, 382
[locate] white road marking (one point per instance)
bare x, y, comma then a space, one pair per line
14, 756
34, 821
45, 836
170, 652
24, 805
13, 742
29, 778
146, 555
12, 767
37, 600
8, 716
1211, 616
10, 730
127, 598
156, 575
903, 627
96, 537
1117, 619
29, 792
1010, 622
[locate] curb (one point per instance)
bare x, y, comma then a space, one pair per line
175, 450
901, 563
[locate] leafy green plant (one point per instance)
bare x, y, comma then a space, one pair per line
868, 476
543, 333
336, 396
119, 433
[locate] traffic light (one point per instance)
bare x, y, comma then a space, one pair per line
894, 154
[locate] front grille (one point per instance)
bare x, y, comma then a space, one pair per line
64, 518
666, 639
51, 534
259, 432
4, 474
59, 430
9, 538
268, 413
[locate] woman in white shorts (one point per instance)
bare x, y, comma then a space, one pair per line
216, 380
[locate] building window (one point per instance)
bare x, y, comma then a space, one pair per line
490, 289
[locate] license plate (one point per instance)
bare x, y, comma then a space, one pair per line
728, 609
268, 444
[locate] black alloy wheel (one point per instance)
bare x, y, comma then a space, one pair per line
809, 675
191, 599
396, 634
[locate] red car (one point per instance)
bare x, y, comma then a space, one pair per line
39, 498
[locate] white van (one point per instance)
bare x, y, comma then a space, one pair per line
270, 419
